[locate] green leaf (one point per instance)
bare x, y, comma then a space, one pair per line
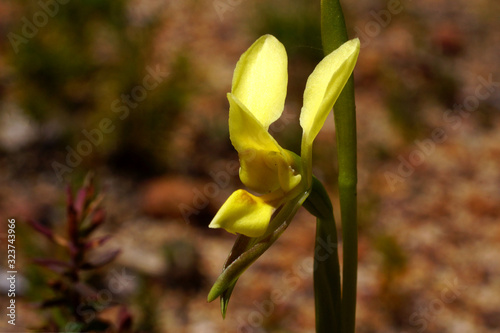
327, 289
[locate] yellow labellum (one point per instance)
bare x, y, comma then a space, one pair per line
243, 213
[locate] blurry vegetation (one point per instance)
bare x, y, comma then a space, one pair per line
182, 280
146, 300
394, 258
144, 136
70, 74
394, 263
183, 267
78, 295
411, 85
419, 74
295, 24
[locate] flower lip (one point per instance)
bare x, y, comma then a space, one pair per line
244, 213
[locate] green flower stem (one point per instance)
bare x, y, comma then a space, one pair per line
333, 28
334, 34
327, 294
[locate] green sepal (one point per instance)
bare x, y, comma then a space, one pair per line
224, 299
241, 244
226, 281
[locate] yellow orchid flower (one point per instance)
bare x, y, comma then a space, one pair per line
256, 100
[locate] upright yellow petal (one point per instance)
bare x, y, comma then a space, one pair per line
324, 86
245, 214
260, 79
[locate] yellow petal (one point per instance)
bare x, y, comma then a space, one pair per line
324, 86
259, 170
243, 213
245, 131
260, 79
258, 151
288, 177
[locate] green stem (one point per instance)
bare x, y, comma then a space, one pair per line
334, 34
333, 28
326, 262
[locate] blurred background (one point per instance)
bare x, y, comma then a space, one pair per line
135, 91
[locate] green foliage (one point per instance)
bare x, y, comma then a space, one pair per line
394, 258
295, 25
61, 63
87, 56
411, 87
143, 136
